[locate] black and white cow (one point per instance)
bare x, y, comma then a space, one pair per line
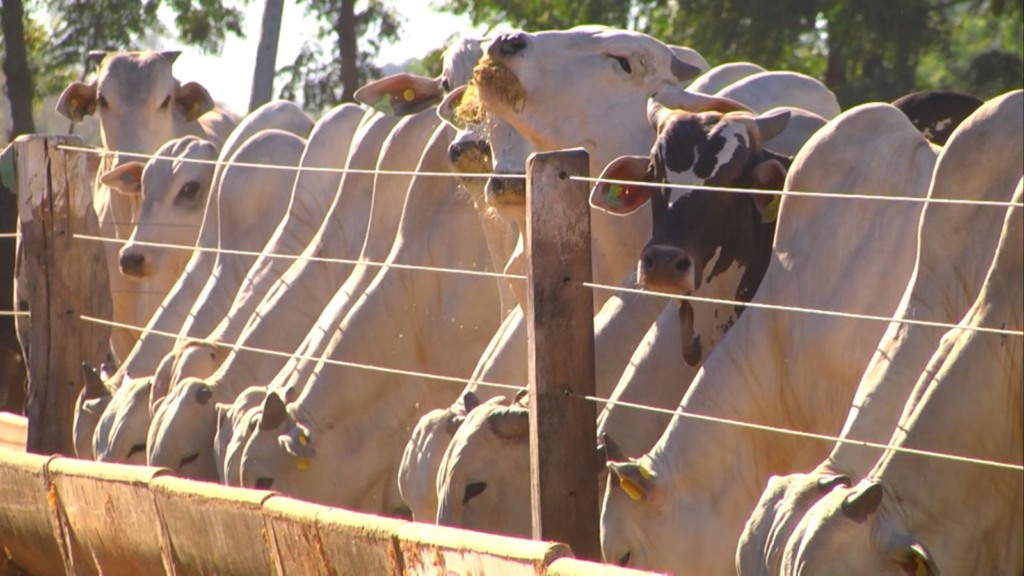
936, 113
700, 234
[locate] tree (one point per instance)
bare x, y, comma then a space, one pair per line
315, 78
862, 49
16, 67
54, 54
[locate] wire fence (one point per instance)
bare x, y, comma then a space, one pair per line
462, 381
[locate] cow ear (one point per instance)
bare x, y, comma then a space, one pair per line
634, 479
94, 387
298, 441
170, 55
673, 96
827, 484
684, 71
126, 178
449, 108
470, 401
401, 94
274, 412
77, 101
769, 175
192, 100
510, 423
96, 56
863, 502
622, 199
772, 123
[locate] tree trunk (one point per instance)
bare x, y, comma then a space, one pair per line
19, 77
345, 28
835, 71
266, 55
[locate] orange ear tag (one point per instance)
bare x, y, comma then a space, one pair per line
303, 440
632, 488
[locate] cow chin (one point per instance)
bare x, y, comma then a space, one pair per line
680, 284
498, 87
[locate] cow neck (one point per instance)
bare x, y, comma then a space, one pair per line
454, 306
294, 302
620, 325
956, 247
987, 368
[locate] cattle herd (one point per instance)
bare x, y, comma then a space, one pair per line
256, 365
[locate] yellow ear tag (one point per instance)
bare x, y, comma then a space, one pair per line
632, 488
771, 211
644, 472
922, 568
409, 94
303, 440
303, 463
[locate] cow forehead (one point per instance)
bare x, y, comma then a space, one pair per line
692, 148
460, 58
135, 75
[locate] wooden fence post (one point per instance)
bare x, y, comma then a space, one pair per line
560, 328
58, 279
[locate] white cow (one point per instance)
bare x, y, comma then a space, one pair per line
150, 348
681, 506
956, 244
720, 266
925, 515
713, 80
406, 319
185, 432
254, 194
775, 88
140, 105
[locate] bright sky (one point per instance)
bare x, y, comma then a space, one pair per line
228, 76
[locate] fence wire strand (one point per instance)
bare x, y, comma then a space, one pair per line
240, 347
810, 435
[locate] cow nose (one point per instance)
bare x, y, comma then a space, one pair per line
505, 190
507, 44
468, 150
264, 483
132, 263
665, 265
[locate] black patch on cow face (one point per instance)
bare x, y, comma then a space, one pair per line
689, 142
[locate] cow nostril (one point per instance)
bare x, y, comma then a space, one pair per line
264, 483
132, 261
624, 559
647, 262
683, 264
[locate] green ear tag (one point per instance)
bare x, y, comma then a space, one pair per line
771, 211
384, 105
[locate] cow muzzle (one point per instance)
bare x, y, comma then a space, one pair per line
505, 191
470, 156
666, 269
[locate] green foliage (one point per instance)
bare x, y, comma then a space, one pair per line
863, 50
315, 78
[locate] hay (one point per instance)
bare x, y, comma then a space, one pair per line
469, 109
497, 85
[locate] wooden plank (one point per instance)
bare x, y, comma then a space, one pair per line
560, 328
59, 278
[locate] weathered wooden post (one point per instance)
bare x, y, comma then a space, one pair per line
560, 328
58, 279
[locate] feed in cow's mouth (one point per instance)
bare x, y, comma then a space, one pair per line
470, 110
497, 85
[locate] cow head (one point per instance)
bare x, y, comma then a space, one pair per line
239, 422
140, 103
852, 531
280, 451
700, 234
484, 478
174, 193
183, 429
587, 86
120, 434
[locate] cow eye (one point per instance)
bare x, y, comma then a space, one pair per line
188, 192
623, 63
103, 101
473, 489
166, 102
136, 449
